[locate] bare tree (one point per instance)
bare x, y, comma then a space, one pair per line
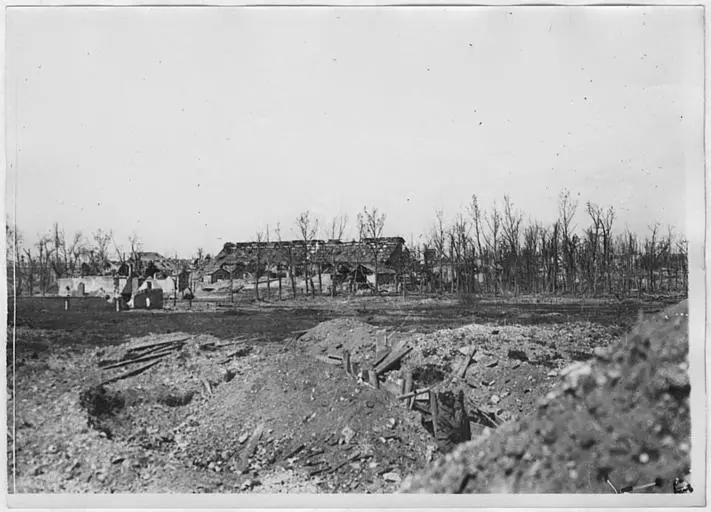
44, 261
459, 242
120, 253
531, 236
372, 223
594, 232
135, 246
307, 227
102, 240
511, 234
493, 223
607, 254
439, 240
258, 263
76, 250
31, 270
59, 258
652, 253
268, 257
292, 265
338, 228
566, 213
476, 216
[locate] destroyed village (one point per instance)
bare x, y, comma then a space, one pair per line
493, 353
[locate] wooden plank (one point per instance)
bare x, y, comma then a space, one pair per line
392, 360
138, 360
347, 361
434, 412
373, 379
172, 346
328, 360
251, 446
408, 387
465, 365
379, 357
236, 341
413, 394
149, 345
132, 373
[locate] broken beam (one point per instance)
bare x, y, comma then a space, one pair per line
414, 394
392, 360
466, 363
150, 345
139, 360
130, 374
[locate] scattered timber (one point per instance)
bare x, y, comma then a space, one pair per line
156, 344
131, 373
465, 364
413, 394
392, 360
157, 355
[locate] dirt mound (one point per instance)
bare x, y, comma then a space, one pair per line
620, 420
510, 368
290, 418
334, 336
142, 386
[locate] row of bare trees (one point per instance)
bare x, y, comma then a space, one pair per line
497, 251
481, 250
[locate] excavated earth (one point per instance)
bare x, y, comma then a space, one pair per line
260, 413
620, 420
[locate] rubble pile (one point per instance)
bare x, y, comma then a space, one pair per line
500, 369
351, 407
335, 336
142, 387
307, 422
618, 423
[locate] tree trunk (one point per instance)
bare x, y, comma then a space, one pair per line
291, 273
320, 283
376, 274
333, 276
269, 285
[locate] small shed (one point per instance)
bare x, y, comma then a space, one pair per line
220, 274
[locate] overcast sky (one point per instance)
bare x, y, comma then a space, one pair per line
197, 126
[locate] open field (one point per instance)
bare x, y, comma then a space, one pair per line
256, 397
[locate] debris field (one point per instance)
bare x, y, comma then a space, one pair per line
348, 406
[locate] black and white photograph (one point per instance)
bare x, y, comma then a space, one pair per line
416, 252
